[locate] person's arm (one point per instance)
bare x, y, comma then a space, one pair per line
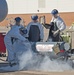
28, 28
47, 26
41, 32
62, 26
18, 35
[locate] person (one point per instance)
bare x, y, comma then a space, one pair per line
35, 31
12, 36
57, 26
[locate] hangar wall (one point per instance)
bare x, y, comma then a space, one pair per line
39, 6
67, 17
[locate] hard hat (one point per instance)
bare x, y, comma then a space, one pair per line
34, 17
54, 11
17, 19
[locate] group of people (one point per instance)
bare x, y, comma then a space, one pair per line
19, 38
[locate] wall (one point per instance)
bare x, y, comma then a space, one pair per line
44, 6
67, 17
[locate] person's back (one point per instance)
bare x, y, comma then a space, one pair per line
34, 33
35, 30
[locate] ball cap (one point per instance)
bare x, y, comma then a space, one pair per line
34, 17
54, 11
17, 19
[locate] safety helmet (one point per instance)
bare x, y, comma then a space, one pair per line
17, 19
34, 17
54, 11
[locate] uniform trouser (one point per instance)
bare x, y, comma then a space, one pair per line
11, 54
21, 47
10, 50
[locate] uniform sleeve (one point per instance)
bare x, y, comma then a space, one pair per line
41, 32
61, 25
28, 28
19, 36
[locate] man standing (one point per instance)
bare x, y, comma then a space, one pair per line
35, 31
57, 26
14, 33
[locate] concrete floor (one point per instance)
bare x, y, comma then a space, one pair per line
37, 73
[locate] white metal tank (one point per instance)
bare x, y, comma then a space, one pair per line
3, 9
